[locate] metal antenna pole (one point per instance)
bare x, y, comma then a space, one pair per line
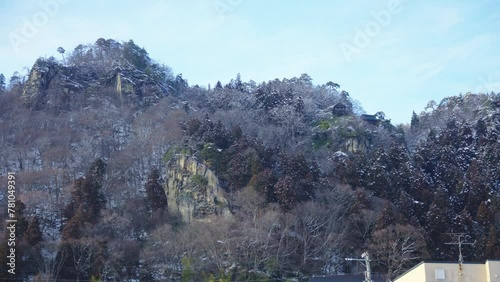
365, 257
460, 257
459, 242
368, 273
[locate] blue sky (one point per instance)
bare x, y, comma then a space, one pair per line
392, 56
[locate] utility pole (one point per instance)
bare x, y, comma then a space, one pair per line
365, 257
458, 240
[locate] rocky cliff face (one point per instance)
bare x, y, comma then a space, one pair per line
47, 74
55, 85
193, 190
39, 78
356, 145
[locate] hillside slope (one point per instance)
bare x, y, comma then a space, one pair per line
299, 177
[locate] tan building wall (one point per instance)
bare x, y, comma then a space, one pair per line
451, 272
493, 271
415, 274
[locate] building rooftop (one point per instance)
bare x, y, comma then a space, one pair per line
403, 276
344, 278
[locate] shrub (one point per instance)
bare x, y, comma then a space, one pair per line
199, 180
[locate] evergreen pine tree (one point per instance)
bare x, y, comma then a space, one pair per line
157, 199
2, 83
492, 248
72, 228
87, 200
89, 196
33, 234
415, 121
22, 223
437, 224
386, 218
285, 191
300, 106
238, 84
481, 132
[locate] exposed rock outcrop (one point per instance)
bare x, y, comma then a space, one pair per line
52, 84
193, 190
356, 145
40, 77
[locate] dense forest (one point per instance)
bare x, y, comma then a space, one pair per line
126, 172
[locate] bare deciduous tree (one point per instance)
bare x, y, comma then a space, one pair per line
83, 254
395, 247
49, 263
